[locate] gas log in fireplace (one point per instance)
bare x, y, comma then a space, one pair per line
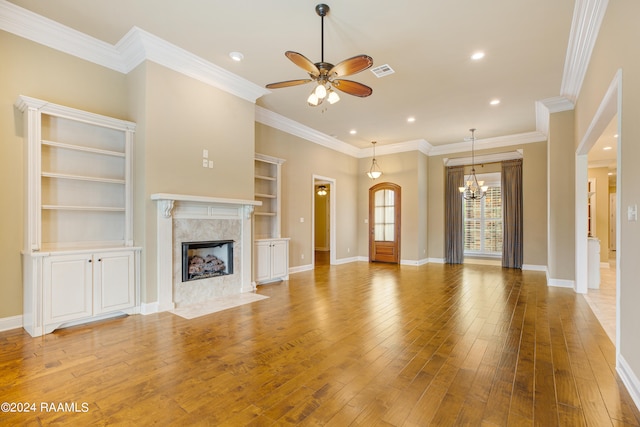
201, 260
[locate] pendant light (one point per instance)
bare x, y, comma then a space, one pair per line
474, 189
374, 170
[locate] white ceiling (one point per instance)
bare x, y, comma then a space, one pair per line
427, 42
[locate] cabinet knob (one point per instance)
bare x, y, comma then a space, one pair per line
89, 260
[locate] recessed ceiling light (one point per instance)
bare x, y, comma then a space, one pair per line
353, 131
411, 119
615, 136
494, 102
477, 55
606, 148
236, 56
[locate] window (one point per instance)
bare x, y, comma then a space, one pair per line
483, 220
384, 211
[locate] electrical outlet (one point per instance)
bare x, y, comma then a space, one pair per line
301, 256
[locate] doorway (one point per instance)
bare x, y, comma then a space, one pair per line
323, 227
384, 223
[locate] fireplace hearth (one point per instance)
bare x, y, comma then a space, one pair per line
201, 260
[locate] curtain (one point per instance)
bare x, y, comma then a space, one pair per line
453, 221
512, 252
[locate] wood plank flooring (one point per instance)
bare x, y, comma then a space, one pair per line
356, 344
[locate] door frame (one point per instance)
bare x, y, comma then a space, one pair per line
397, 214
610, 105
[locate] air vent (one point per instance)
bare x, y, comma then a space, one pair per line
382, 70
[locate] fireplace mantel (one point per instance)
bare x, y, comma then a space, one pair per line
171, 207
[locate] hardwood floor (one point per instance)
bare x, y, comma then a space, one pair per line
603, 300
356, 344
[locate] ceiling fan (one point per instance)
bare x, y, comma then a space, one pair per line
326, 75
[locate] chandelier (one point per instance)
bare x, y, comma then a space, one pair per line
374, 170
474, 189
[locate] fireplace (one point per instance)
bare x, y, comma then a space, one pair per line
199, 219
201, 260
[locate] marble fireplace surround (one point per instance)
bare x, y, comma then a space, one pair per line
182, 216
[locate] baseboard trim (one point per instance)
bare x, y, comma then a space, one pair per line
630, 380
149, 308
414, 262
436, 260
561, 283
533, 267
483, 261
300, 268
350, 260
13, 322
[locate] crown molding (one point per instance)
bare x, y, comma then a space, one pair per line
280, 122
420, 145
486, 158
47, 32
135, 47
139, 45
548, 106
587, 18
489, 143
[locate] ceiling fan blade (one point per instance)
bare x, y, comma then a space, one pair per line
303, 62
288, 83
352, 88
352, 65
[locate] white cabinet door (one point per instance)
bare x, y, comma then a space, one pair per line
271, 259
263, 261
67, 288
114, 281
279, 259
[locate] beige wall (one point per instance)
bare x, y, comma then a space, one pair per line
561, 208
177, 118
405, 170
616, 49
534, 172
36, 71
305, 159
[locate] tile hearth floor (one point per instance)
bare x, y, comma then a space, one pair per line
191, 311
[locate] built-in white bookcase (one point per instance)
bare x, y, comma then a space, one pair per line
78, 225
271, 250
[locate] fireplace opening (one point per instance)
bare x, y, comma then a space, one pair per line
201, 260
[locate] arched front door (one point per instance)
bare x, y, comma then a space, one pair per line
384, 223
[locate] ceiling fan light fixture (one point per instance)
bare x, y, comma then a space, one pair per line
320, 91
327, 75
313, 100
333, 97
